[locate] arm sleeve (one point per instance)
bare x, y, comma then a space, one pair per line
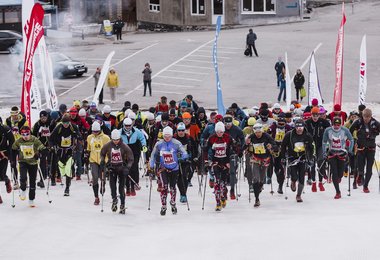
152, 159
351, 139
141, 138
130, 157
325, 140
284, 145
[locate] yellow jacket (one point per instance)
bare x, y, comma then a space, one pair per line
95, 144
113, 80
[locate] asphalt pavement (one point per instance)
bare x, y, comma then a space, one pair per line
182, 61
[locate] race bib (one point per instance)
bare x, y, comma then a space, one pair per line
116, 156
259, 148
66, 141
336, 144
220, 150
97, 146
280, 134
44, 131
27, 151
299, 147
187, 131
265, 128
168, 157
160, 135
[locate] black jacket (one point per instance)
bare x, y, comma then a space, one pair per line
251, 38
299, 80
366, 134
292, 142
317, 129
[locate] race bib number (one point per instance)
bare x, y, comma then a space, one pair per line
168, 157
336, 144
280, 134
27, 151
116, 156
265, 128
97, 146
160, 135
259, 148
44, 131
299, 147
220, 150
66, 141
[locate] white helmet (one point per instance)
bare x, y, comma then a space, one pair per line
276, 105
82, 112
167, 131
158, 118
127, 121
106, 109
150, 116
126, 113
219, 127
95, 126
115, 135
132, 115
258, 127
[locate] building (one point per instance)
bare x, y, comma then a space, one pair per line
10, 15
184, 13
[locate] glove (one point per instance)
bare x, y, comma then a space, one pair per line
144, 149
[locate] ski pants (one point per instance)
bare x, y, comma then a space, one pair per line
321, 166
44, 162
95, 173
366, 158
220, 187
3, 170
297, 173
169, 180
257, 177
182, 181
270, 168
336, 168
118, 173
279, 170
233, 169
134, 173
31, 170
78, 159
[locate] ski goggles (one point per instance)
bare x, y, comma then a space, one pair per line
25, 133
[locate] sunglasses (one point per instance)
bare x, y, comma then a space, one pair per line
315, 115
180, 130
65, 123
25, 134
172, 115
127, 125
95, 132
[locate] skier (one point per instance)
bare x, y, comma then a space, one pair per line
297, 147
120, 160
64, 139
167, 151
95, 143
135, 139
219, 148
335, 137
6, 142
262, 144
27, 149
367, 129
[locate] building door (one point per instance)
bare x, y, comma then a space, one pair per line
217, 10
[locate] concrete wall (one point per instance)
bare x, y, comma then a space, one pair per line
197, 20
170, 12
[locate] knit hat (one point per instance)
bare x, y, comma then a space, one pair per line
219, 127
95, 126
43, 113
115, 135
314, 102
315, 110
167, 131
337, 107
82, 112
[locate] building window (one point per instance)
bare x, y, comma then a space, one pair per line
12, 17
258, 6
154, 5
197, 7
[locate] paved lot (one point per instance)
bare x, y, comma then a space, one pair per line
182, 62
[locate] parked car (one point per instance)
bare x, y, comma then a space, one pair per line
10, 41
63, 65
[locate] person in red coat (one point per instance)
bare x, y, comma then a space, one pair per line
338, 113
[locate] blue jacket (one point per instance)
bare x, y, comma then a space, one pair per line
209, 131
167, 152
135, 141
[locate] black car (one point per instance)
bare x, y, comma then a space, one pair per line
65, 66
10, 41
62, 65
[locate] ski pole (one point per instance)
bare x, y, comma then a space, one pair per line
13, 190
378, 173
204, 192
183, 184
137, 186
102, 189
287, 179
150, 190
43, 183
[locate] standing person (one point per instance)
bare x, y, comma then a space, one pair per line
118, 27
251, 38
279, 67
113, 84
27, 148
299, 80
297, 146
120, 160
6, 141
147, 78
367, 128
336, 137
96, 76
167, 150
262, 145
95, 143
219, 151
282, 81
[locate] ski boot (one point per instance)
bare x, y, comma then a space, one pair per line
354, 186
279, 190
122, 209
163, 211
314, 187
269, 180
16, 186
183, 199
224, 202
321, 187
22, 195
133, 193
309, 182
1, 200
293, 186
232, 195
41, 184
365, 190
218, 207
190, 184
53, 183
298, 198
8, 186
257, 203
338, 196
67, 192
97, 201
359, 180
251, 190
211, 183
114, 206
31, 204
128, 193
174, 208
